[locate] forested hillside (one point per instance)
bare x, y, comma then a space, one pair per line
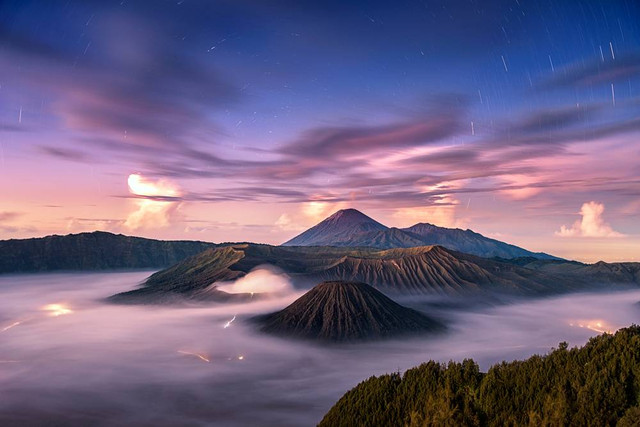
598, 384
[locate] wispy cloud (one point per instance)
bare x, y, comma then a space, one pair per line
596, 71
332, 142
64, 153
9, 216
143, 95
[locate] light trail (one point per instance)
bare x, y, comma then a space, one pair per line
198, 355
226, 325
504, 63
6, 328
613, 55
613, 95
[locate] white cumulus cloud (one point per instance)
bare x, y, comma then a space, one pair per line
592, 223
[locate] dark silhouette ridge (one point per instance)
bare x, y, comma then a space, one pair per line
98, 250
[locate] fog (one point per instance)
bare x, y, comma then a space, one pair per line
69, 358
265, 279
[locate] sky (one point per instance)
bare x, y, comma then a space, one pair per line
248, 120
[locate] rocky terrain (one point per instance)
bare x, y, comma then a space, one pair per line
345, 311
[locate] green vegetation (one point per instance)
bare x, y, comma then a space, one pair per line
598, 384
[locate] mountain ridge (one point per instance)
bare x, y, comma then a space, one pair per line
426, 270
339, 230
97, 250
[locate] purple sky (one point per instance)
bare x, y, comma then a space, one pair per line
243, 120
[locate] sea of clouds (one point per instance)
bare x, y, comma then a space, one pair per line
66, 355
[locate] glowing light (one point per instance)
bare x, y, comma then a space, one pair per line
240, 357
198, 355
317, 210
6, 328
56, 310
144, 187
597, 325
158, 202
226, 325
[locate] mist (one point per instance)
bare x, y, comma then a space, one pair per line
267, 280
67, 356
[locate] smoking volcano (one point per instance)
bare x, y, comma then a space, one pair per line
341, 311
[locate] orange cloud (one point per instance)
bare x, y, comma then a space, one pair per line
319, 210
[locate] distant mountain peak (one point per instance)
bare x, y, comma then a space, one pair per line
351, 216
349, 213
342, 226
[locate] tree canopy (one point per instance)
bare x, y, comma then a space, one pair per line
597, 384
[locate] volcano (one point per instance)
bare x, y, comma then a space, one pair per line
352, 228
343, 311
343, 226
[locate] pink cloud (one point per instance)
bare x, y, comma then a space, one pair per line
591, 225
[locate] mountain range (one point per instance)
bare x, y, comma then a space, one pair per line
346, 228
352, 228
403, 271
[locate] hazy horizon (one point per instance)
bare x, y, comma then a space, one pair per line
590, 260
